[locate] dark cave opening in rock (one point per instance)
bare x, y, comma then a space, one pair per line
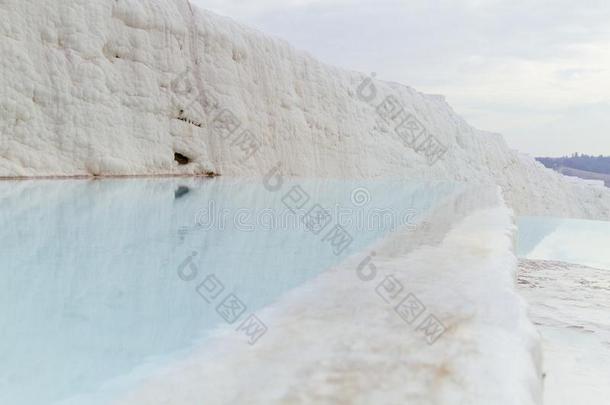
181, 159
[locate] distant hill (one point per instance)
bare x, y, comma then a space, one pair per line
582, 166
595, 164
583, 174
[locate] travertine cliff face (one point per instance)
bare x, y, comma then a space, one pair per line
132, 87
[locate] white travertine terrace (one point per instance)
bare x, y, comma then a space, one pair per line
119, 87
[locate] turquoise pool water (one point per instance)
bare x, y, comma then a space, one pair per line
100, 277
568, 240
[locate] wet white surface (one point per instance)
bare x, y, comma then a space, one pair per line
570, 304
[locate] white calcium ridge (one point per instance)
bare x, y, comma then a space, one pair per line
336, 339
119, 87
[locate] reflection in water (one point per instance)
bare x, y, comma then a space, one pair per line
567, 240
181, 191
104, 277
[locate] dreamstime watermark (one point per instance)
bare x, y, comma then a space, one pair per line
288, 219
404, 124
230, 308
407, 306
360, 197
317, 219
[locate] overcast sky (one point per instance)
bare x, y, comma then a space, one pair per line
536, 71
